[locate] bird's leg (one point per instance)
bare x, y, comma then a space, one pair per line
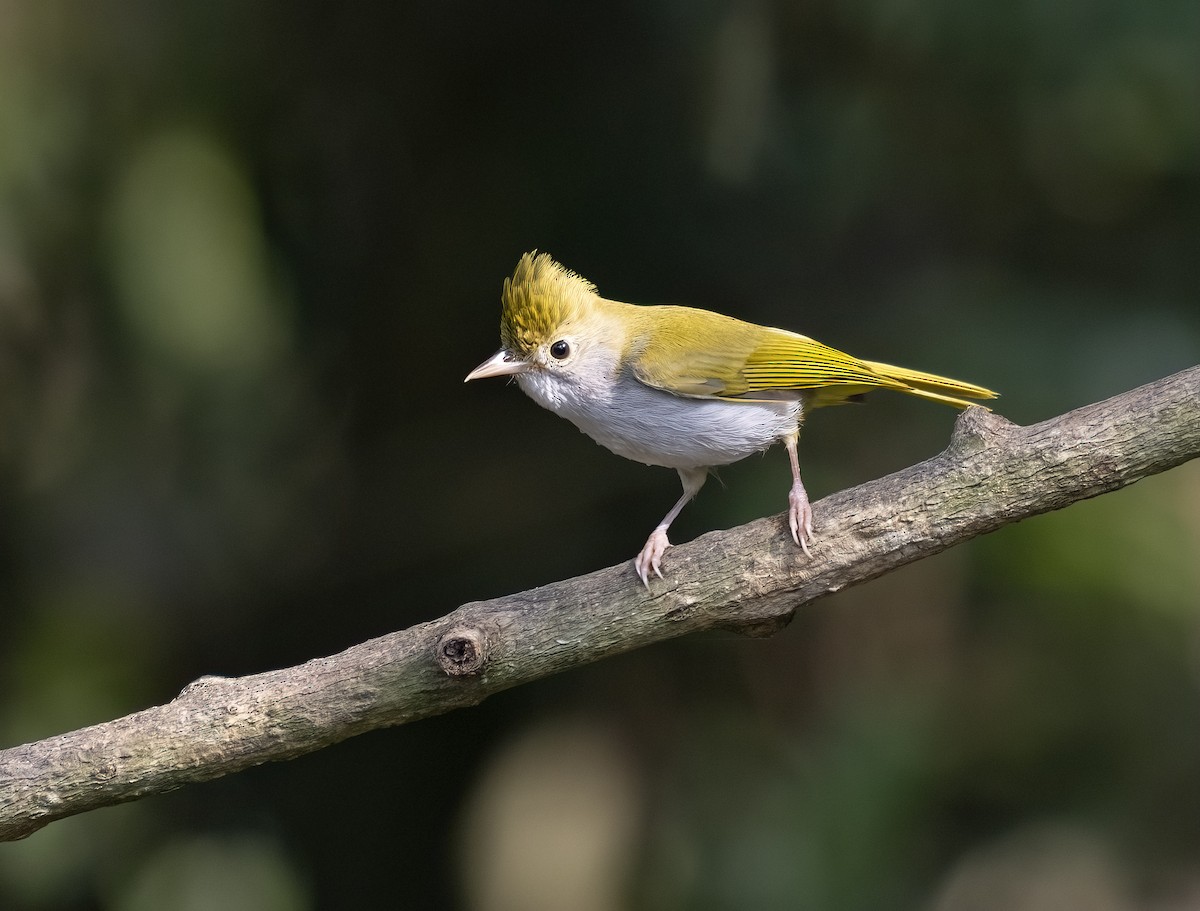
799, 510
656, 545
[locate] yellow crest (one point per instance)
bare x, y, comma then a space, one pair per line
539, 298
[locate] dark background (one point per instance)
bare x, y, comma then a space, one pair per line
248, 252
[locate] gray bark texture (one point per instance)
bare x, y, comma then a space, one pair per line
751, 579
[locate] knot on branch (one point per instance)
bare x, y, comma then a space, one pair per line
976, 428
462, 652
202, 683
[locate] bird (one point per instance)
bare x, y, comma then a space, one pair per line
680, 387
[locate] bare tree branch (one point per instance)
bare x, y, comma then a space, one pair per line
751, 578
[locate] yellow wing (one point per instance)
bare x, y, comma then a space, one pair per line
703, 354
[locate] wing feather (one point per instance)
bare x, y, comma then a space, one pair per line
706, 354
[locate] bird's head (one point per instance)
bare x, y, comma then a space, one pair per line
548, 313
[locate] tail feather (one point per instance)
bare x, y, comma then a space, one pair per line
933, 387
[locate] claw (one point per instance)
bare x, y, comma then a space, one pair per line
800, 518
651, 556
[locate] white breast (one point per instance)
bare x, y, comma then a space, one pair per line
657, 428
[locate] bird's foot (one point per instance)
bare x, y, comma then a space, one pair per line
800, 517
651, 556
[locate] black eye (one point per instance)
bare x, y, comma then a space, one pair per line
560, 350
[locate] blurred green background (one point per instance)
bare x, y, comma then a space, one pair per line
248, 252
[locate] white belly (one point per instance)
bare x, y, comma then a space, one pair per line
658, 428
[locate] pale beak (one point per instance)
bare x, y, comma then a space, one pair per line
502, 363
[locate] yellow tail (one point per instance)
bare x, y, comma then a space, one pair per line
933, 387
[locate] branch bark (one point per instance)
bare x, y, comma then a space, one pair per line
751, 579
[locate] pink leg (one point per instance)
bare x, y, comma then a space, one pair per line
656, 545
799, 509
